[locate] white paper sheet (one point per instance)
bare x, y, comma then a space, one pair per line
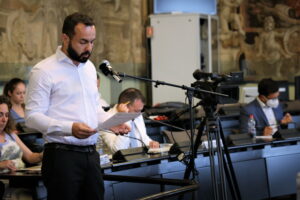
163, 148
264, 137
117, 119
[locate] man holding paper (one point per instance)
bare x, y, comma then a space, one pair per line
62, 102
130, 100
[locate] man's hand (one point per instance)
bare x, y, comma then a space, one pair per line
153, 144
120, 129
268, 131
122, 107
82, 131
287, 119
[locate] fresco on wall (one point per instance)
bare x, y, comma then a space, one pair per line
30, 31
260, 38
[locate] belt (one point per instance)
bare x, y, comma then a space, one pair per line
70, 147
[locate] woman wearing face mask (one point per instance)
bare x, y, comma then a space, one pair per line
266, 109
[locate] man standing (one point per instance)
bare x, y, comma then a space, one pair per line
267, 111
62, 102
130, 100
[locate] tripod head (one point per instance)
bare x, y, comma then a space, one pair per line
210, 82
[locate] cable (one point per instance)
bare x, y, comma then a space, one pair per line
163, 123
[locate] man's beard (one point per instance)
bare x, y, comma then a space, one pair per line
79, 58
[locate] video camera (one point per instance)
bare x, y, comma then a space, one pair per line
212, 82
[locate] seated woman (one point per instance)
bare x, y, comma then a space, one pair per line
12, 149
15, 91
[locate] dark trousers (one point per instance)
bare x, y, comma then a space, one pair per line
2, 189
72, 175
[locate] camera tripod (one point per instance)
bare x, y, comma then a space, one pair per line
223, 165
211, 124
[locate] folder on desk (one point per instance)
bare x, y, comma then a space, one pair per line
240, 139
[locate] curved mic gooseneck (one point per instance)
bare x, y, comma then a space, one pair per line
145, 148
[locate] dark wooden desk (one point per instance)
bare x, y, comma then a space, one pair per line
264, 170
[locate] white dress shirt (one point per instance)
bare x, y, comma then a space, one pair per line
269, 114
60, 93
117, 142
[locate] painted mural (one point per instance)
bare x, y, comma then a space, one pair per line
260, 38
30, 31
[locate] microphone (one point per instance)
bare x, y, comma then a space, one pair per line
106, 69
126, 154
145, 148
130, 151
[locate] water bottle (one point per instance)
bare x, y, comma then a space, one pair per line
251, 126
99, 145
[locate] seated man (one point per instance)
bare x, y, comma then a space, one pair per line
103, 103
130, 100
267, 111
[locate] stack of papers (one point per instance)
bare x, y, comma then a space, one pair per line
117, 119
33, 169
163, 148
264, 137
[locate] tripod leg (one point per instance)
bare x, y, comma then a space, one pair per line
190, 167
214, 179
221, 163
228, 167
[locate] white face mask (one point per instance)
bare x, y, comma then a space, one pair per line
273, 103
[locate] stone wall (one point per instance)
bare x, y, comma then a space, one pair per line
30, 31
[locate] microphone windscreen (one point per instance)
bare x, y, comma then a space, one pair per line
104, 68
197, 74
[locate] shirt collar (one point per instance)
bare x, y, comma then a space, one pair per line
62, 57
262, 104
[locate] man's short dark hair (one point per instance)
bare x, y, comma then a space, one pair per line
131, 94
72, 20
267, 86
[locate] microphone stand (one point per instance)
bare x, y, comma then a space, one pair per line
157, 83
190, 93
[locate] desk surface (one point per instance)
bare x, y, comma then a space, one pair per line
151, 159
257, 167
